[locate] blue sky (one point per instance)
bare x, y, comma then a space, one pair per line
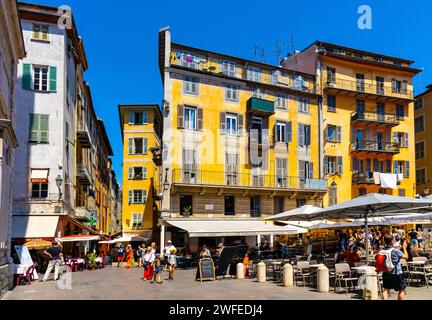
121, 39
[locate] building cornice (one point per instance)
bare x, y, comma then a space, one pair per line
6, 125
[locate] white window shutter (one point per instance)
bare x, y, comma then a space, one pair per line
131, 173
144, 193
145, 145
131, 117
144, 171
130, 196
145, 117
131, 146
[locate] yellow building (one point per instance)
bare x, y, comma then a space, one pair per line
367, 119
141, 131
423, 140
240, 141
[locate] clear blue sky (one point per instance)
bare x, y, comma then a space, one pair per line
121, 39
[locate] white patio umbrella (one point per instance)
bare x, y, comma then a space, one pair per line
349, 224
126, 238
372, 205
297, 214
424, 218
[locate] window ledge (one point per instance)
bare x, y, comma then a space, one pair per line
40, 40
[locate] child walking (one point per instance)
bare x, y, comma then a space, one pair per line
158, 269
172, 263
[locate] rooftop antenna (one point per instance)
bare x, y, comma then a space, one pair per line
262, 55
256, 47
278, 51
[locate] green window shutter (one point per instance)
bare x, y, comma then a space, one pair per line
131, 146
130, 173
26, 77
130, 200
34, 127
53, 79
44, 128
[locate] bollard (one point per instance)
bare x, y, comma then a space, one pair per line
261, 272
240, 271
323, 284
288, 276
370, 284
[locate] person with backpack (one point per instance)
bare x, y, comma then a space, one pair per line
388, 261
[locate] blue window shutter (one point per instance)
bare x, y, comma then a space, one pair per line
338, 133
388, 162
376, 166
395, 166
326, 169
288, 131
340, 166
407, 169
355, 164
53, 79
406, 139
368, 165
301, 137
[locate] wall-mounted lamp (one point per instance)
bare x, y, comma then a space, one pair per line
59, 182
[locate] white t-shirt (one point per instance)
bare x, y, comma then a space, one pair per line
149, 257
168, 250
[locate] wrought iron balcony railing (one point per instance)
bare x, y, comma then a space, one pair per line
235, 179
374, 146
374, 117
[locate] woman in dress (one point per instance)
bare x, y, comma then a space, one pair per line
148, 258
129, 256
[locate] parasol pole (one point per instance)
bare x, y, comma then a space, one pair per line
367, 239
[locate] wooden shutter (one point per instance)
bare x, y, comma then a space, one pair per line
355, 164
53, 79
393, 85
131, 117
131, 146
338, 133
44, 31
240, 120
326, 166
36, 31
34, 127
180, 116
144, 195
274, 132
368, 165
144, 172
145, 145
307, 135
145, 117
376, 165
406, 139
43, 128
301, 135
130, 196
222, 122
310, 170
131, 173
407, 169
26, 77
340, 165
288, 131
200, 119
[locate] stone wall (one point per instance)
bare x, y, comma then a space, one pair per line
6, 279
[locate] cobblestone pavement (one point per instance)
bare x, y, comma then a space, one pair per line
122, 284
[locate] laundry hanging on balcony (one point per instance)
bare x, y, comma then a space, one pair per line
376, 177
388, 180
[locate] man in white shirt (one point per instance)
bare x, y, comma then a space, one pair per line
168, 250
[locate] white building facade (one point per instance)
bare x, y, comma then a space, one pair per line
11, 50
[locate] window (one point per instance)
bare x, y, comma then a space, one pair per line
255, 206
231, 92
380, 85
258, 93
137, 196
398, 166
304, 137
137, 220
421, 176
137, 173
378, 59
333, 133
39, 128
331, 75
329, 165
360, 82
419, 124
280, 132
418, 104
231, 124
231, 168
281, 101
299, 83
362, 191
420, 150
300, 202
281, 173
399, 86
228, 68
331, 103
400, 112
229, 205
401, 139
279, 205
190, 61
138, 118
39, 190
254, 73
40, 32
332, 194
40, 78
303, 104
138, 145
190, 118
190, 85
401, 192
186, 205
382, 191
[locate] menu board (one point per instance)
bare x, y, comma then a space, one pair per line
206, 269
25, 259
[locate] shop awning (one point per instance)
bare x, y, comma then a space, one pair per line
33, 226
77, 238
39, 176
218, 228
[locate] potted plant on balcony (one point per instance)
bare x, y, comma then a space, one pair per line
187, 211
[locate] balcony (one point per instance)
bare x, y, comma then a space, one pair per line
260, 107
83, 136
375, 147
82, 213
363, 178
83, 175
374, 118
366, 90
242, 180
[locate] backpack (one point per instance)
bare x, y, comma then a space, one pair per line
383, 261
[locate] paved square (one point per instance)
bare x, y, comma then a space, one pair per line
121, 284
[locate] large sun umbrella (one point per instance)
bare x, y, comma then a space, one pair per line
371, 205
78, 238
127, 238
38, 244
297, 214
424, 218
349, 224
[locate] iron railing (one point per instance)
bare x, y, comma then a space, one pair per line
374, 117
235, 179
369, 87
375, 146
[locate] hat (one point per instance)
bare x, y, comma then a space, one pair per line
169, 241
157, 254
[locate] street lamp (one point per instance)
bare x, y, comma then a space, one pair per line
59, 182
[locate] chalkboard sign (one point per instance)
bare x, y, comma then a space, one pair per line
206, 269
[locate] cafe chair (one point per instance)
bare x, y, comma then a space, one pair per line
343, 275
423, 272
405, 270
26, 278
302, 272
423, 259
